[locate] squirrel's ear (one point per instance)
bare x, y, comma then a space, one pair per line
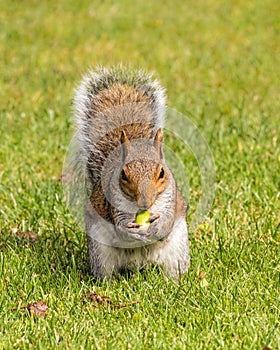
125, 145
158, 143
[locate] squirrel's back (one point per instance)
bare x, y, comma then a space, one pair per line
109, 101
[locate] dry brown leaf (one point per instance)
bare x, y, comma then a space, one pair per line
103, 300
202, 274
96, 298
39, 308
28, 235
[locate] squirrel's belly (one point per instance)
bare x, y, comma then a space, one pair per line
172, 253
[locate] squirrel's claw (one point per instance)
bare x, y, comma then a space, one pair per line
132, 225
136, 233
139, 234
154, 218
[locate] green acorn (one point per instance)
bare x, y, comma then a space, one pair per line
143, 219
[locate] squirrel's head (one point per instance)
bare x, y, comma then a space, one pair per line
143, 179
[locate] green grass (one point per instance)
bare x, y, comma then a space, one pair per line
219, 61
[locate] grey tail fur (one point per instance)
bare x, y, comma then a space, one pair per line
106, 101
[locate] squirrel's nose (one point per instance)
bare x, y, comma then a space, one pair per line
143, 201
142, 204
146, 196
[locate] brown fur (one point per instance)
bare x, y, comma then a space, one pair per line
106, 102
100, 203
142, 184
133, 105
117, 95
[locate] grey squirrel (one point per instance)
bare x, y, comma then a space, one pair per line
119, 116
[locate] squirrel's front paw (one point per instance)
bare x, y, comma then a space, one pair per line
142, 223
133, 225
136, 232
140, 232
154, 228
157, 230
154, 218
137, 225
130, 231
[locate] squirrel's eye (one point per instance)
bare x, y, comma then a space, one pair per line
161, 174
123, 176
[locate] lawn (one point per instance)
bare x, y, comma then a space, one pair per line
219, 61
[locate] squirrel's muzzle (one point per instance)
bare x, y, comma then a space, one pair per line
146, 195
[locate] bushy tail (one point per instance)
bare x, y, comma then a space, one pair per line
108, 100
